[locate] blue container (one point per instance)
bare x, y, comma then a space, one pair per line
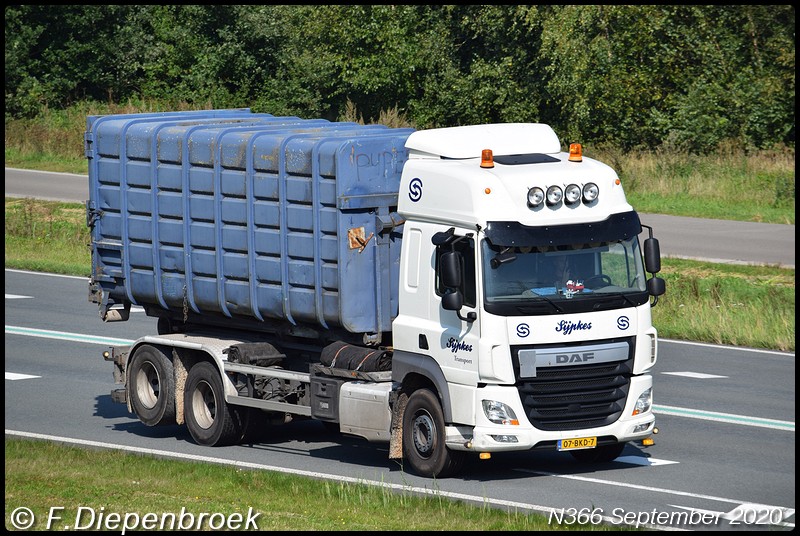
232, 216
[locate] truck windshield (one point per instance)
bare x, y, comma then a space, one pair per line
572, 278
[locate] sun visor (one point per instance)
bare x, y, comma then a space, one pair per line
616, 227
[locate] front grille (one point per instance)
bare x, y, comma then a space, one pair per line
577, 396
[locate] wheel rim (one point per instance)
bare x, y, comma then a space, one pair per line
424, 432
148, 385
204, 407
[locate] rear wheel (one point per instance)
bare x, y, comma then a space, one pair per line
152, 386
424, 437
211, 421
605, 453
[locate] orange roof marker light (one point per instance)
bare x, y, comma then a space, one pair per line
575, 152
487, 159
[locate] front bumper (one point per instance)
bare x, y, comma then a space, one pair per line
489, 437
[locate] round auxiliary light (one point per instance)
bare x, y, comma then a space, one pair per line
590, 192
572, 194
535, 196
554, 195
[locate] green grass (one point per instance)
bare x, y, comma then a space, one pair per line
752, 306
47, 236
729, 184
42, 475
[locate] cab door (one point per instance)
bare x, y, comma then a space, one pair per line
456, 293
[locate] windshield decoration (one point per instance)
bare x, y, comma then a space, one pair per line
572, 288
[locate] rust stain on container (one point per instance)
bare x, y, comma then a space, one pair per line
357, 238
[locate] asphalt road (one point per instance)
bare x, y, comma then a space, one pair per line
723, 459
724, 454
692, 238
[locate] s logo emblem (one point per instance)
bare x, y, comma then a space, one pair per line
623, 323
523, 330
415, 190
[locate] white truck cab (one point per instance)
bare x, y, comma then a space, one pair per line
523, 294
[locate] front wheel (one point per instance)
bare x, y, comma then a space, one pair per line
603, 454
424, 445
211, 421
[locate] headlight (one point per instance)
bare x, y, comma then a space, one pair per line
499, 413
535, 196
554, 195
572, 194
644, 402
590, 192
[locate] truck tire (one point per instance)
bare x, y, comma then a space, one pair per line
152, 386
211, 421
603, 454
424, 445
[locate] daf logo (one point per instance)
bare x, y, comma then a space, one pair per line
574, 358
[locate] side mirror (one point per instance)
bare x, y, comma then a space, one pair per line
656, 287
450, 268
452, 300
652, 256
450, 272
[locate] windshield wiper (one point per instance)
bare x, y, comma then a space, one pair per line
613, 295
527, 308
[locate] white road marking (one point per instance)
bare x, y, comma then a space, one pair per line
698, 375
724, 417
648, 488
17, 297
641, 460
47, 274
16, 376
723, 347
65, 336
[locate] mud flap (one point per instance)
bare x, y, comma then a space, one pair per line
181, 373
396, 437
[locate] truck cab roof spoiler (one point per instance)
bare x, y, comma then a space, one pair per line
470, 141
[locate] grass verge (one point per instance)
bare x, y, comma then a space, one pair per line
47, 236
92, 486
728, 184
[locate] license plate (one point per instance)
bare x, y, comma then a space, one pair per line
577, 443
